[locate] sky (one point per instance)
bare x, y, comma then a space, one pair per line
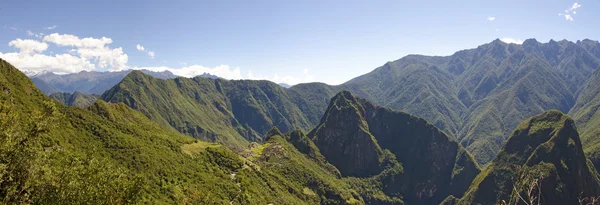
285, 41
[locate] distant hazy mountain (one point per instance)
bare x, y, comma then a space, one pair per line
208, 75
87, 82
285, 85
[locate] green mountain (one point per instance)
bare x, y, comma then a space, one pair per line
542, 162
364, 140
476, 95
231, 112
76, 99
112, 154
587, 116
480, 95
414, 84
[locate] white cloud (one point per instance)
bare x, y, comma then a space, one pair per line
93, 49
510, 40
50, 27
570, 12
95, 54
37, 35
31, 60
491, 18
61, 63
290, 80
72, 40
139, 47
147, 51
227, 72
568, 17
28, 46
13, 28
151, 54
223, 71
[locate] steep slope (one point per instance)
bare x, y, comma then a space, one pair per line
231, 112
43, 86
480, 95
76, 99
415, 84
544, 153
344, 138
87, 82
191, 106
526, 86
355, 135
587, 116
121, 147
112, 154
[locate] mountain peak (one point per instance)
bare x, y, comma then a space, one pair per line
344, 139
530, 42
545, 147
357, 137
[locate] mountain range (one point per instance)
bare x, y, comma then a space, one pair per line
86, 82
477, 95
470, 137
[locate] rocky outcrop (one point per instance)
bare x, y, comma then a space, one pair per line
354, 133
545, 153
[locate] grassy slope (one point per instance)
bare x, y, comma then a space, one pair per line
229, 112
191, 106
587, 116
175, 168
76, 99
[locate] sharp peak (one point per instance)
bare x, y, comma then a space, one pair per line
344, 94
137, 74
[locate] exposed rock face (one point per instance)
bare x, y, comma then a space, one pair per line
353, 134
546, 148
344, 139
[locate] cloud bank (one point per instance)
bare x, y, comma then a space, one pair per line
96, 54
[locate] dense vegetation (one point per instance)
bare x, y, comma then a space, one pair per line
544, 151
478, 95
161, 140
76, 99
111, 154
362, 140
587, 117
229, 112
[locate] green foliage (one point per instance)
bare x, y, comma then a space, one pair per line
366, 141
74, 180
544, 151
228, 112
21, 149
76, 99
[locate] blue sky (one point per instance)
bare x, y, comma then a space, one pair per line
283, 41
